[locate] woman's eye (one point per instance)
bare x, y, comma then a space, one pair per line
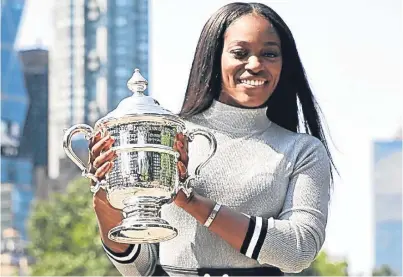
239, 54
271, 54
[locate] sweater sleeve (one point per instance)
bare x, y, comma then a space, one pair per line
137, 260
292, 241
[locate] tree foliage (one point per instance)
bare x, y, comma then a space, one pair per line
64, 236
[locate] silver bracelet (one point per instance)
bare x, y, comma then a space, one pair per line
212, 215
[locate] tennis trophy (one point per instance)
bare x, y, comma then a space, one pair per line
145, 175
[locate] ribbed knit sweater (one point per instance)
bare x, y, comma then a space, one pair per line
279, 178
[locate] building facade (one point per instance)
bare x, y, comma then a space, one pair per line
16, 171
34, 141
98, 43
387, 180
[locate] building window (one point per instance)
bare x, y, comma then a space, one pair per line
12, 173
121, 72
17, 5
15, 130
4, 127
120, 21
121, 3
121, 50
143, 7
143, 47
122, 93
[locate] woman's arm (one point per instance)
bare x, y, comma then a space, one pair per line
290, 242
129, 259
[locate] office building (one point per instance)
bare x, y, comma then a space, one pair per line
387, 185
34, 140
97, 45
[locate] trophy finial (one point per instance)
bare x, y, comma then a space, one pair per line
137, 82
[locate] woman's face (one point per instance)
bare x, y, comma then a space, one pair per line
251, 61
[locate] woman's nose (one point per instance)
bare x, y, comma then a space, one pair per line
254, 64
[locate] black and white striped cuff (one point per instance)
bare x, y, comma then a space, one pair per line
127, 257
255, 237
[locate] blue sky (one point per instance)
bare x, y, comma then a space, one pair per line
351, 51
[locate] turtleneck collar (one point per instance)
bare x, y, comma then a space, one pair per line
232, 119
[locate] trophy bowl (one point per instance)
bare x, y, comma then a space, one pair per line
145, 175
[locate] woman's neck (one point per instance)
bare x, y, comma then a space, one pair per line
227, 99
232, 119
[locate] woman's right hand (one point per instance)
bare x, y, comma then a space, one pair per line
101, 155
100, 163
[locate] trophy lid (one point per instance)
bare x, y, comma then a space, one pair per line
138, 103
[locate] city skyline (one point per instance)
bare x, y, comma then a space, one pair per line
356, 80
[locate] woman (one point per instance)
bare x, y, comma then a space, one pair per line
261, 205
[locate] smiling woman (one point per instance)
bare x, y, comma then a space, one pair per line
260, 206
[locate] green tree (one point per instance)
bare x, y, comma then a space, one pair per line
322, 266
384, 270
64, 236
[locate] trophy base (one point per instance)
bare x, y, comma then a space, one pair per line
135, 231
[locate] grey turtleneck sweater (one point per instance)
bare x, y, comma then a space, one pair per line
279, 178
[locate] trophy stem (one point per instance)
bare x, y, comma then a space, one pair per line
141, 207
142, 223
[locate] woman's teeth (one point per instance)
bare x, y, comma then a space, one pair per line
255, 83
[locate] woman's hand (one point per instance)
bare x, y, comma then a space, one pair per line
101, 162
181, 145
101, 155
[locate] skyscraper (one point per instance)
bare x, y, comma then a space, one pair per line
16, 171
34, 141
98, 43
387, 180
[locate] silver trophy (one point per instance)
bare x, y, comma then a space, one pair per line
144, 176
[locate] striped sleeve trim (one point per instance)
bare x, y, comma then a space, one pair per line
255, 237
127, 257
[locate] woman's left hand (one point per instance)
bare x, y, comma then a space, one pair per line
181, 145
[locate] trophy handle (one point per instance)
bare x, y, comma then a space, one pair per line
88, 132
213, 147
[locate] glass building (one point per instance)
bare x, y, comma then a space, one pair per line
387, 178
34, 142
97, 46
16, 171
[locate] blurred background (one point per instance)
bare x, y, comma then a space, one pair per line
67, 62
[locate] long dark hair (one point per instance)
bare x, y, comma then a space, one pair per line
204, 83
